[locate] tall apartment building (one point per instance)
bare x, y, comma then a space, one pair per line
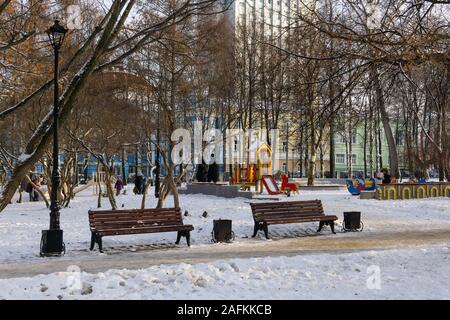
267, 16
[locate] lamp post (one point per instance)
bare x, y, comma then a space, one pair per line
287, 148
52, 240
157, 158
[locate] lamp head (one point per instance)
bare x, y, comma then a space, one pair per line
56, 34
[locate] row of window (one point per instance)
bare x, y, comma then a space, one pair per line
340, 158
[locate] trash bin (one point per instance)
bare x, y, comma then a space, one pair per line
352, 221
222, 231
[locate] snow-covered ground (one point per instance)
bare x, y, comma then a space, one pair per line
21, 224
404, 272
420, 273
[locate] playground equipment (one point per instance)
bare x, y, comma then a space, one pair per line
93, 183
357, 185
287, 186
245, 177
250, 175
405, 191
83, 187
271, 185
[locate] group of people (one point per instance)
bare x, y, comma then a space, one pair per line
383, 177
207, 173
139, 184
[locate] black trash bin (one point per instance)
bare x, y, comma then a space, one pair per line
352, 221
222, 231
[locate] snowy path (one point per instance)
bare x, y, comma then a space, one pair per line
136, 257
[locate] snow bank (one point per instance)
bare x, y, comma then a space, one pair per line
421, 273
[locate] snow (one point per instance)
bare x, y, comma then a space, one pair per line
420, 273
21, 224
24, 157
406, 271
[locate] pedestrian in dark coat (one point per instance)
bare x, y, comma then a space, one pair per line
118, 186
213, 173
138, 183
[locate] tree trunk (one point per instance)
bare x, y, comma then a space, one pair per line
393, 156
332, 150
100, 191
109, 188
144, 195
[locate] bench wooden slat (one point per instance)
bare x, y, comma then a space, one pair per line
298, 220
99, 212
123, 231
284, 203
290, 215
141, 218
282, 212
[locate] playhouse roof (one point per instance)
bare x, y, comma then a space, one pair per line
258, 145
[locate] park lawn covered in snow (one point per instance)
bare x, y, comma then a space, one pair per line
21, 224
400, 273
419, 273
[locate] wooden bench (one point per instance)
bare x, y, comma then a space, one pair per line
135, 221
267, 213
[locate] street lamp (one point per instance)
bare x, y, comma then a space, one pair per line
287, 148
157, 169
52, 240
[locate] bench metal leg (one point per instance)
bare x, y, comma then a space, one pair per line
332, 227
260, 226
100, 244
321, 224
186, 234
179, 234
266, 230
328, 223
255, 229
92, 241
188, 238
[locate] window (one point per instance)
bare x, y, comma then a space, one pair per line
354, 158
284, 147
342, 138
400, 138
242, 7
354, 140
340, 158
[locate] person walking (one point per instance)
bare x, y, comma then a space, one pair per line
138, 180
212, 174
37, 184
29, 189
118, 185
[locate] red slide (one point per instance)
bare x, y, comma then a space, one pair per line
271, 185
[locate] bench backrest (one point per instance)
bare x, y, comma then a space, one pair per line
112, 219
306, 208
